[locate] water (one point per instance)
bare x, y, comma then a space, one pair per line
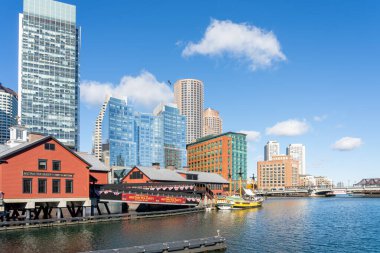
281, 225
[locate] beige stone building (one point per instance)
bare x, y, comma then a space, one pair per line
212, 123
189, 97
281, 172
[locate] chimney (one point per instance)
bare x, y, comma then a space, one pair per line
156, 165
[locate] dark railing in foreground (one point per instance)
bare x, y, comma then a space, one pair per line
215, 243
8, 225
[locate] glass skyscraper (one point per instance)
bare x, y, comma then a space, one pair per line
174, 135
118, 134
49, 70
8, 112
123, 137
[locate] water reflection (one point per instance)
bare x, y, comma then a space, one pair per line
281, 225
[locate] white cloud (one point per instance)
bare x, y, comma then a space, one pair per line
347, 144
320, 118
142, 90
240, 41
292, 127
251, 135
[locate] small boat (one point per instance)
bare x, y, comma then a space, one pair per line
224, 206
239, 202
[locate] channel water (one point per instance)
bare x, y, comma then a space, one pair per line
340, 224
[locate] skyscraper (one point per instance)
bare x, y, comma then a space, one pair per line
271, 148
189, 96
174, 135
212, 123
8, 112
297, 152
48, 73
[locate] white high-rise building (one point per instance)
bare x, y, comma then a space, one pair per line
271, 148
48, 70
8, 112
212, 122
297, 152
189, 97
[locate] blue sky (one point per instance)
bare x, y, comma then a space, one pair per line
327, 81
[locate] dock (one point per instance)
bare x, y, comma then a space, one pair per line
209, 244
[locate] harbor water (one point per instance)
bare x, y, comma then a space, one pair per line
341, 224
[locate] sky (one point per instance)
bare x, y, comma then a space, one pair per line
293, 71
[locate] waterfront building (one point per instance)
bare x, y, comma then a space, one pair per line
271, 148
175, 178
212, 122
368, 182
224, 154
173, 132
323, 182
52, 176
8, 112
115, 127
307, 181
279, 173
48, 70
124, 137
189, 97
297, 152
149, 139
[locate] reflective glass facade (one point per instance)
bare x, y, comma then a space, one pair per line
174, 135
49, 70
8, 112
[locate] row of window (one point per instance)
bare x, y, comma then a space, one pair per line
27, 185
43, 164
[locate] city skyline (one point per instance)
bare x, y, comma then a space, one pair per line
310, 90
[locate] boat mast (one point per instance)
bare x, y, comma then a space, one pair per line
230, 177
240, 176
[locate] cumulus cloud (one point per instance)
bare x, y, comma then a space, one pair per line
142, 90
251, 135
320, 118
347, 144
292, 127
258, 47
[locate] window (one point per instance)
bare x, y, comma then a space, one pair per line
42, 185
49, 146
27, 185
56, 186
42, 164
136, 175
191, 176
56, 165
69, 186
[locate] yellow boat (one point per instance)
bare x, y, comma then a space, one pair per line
239, 202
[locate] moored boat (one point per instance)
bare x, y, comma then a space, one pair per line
224, 206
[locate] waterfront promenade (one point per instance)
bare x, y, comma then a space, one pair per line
340, 224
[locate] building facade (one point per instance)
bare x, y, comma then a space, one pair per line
126, 138
8, 112
224, 154
279, 173
173, 134
48, 73
297, 152
189, 97
212, 122
271, 148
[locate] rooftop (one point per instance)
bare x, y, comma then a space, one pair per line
210, 137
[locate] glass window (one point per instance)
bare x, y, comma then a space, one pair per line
56, 165
42, 164
56, 186
42, 185
49, 146
69, 186
27, 185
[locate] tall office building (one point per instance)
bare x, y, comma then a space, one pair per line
124, 137
212, 123
174, 135
271, 148
48, 74
8, 112
118, 143
189, 96
297, 152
